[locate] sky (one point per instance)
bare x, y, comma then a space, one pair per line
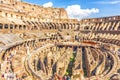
80, 9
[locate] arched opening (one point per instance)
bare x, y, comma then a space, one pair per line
94, 28
11, 26
1, 1
36, 23
61, 26
55, 26
32, 22
71, 26
29, 23
15, 26
24, 27
20, 26
24, 22
67, 26
35, 27
110, 27
86, 28
50, 27
52, 62
119, 28
44, 25
1, 26
39, 65
64, 26
6, 26
105, 28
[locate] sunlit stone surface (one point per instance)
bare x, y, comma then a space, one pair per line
38, 43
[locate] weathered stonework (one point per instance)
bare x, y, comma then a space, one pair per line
38, 43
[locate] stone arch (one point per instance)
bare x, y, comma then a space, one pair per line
29, 23
51, 25
55, 27
94, 28
105, 27
74, 26
110, 27
61, 26
6, 26
91, 25
78, 26
37, 24
65, 27
20, 26
118, 26
86, 28
11, 26
40, 25
35, 27
115, 77
24, 27
15, 26
48, 25
68, 24
33, 23
25, 22
1, 26
101, 27
43, 25
114, 25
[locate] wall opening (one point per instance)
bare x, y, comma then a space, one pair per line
1, 26
6, 26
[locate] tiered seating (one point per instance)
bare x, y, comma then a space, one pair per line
40, 43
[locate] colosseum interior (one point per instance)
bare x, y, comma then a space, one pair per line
38, 43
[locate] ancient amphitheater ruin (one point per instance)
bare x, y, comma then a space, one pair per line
38, 43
